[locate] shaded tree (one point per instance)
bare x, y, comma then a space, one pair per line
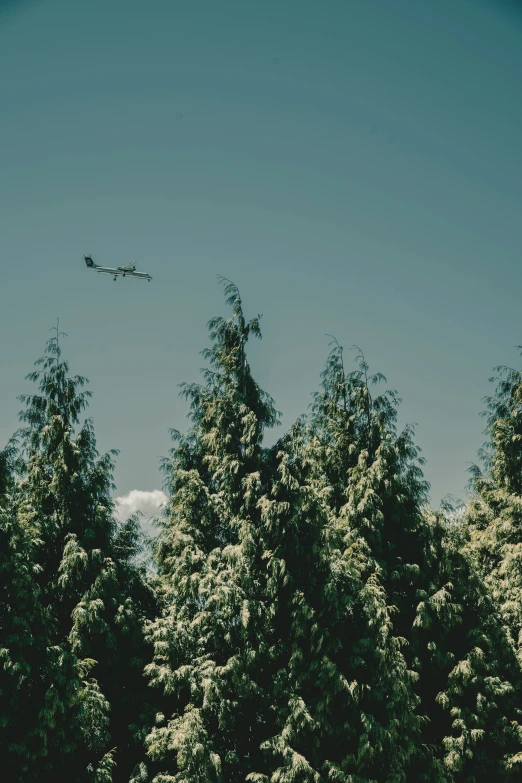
90, 586
495, 512
462, 668
267, 620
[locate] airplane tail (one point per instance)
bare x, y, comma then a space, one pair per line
89, 261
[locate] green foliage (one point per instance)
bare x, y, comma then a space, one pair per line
312, 620
210, 660
319, 623
90, 593
495, 513
25, 662
453, 644
248, 649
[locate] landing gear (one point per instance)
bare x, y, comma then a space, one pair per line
115, 279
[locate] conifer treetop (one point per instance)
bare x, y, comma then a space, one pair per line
59, 393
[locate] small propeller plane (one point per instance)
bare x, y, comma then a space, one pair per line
129, 270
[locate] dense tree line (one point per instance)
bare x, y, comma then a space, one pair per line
309, 618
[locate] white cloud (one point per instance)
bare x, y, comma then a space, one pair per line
148, 502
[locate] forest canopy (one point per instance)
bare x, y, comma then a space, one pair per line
308, 617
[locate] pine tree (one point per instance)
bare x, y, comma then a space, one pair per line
210, 638
495, 512
318, 623
274, 650
95, 594
22, 632
345, 705
470, 678
463, 672
36, 678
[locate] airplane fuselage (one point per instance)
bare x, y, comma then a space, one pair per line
118, 271
121, 272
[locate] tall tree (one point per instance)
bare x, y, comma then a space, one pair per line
95, 594
345, 704
24, 641
274, 652
495, 513
464, 672
42, 696
210, 639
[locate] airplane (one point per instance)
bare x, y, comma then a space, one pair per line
129, 270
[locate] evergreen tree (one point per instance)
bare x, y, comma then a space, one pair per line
38, 678
495, 513
464, 671
470, 678
91, 588
317, 622
274, 650
345, 705
24, 641
211, 652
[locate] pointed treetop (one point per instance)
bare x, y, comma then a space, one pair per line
501, 455
237, 324
229, 372
59, 395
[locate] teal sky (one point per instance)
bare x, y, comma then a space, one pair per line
355, 166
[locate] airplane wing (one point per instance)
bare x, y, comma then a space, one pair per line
132, 265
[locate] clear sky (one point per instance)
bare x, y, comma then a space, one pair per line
355, 166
